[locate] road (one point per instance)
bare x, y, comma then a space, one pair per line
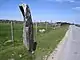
69, 47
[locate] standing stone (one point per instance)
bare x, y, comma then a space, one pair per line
28, 38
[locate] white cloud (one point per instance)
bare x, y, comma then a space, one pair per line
70, 0
76, 8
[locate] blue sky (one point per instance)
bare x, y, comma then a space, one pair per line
44, 10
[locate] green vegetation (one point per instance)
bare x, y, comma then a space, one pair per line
47, 41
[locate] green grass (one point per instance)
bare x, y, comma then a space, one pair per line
47, 41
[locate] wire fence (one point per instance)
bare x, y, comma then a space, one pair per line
14, 31
13, 46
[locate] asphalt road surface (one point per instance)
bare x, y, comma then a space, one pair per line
69, 47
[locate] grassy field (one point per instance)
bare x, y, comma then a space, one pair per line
47, 41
